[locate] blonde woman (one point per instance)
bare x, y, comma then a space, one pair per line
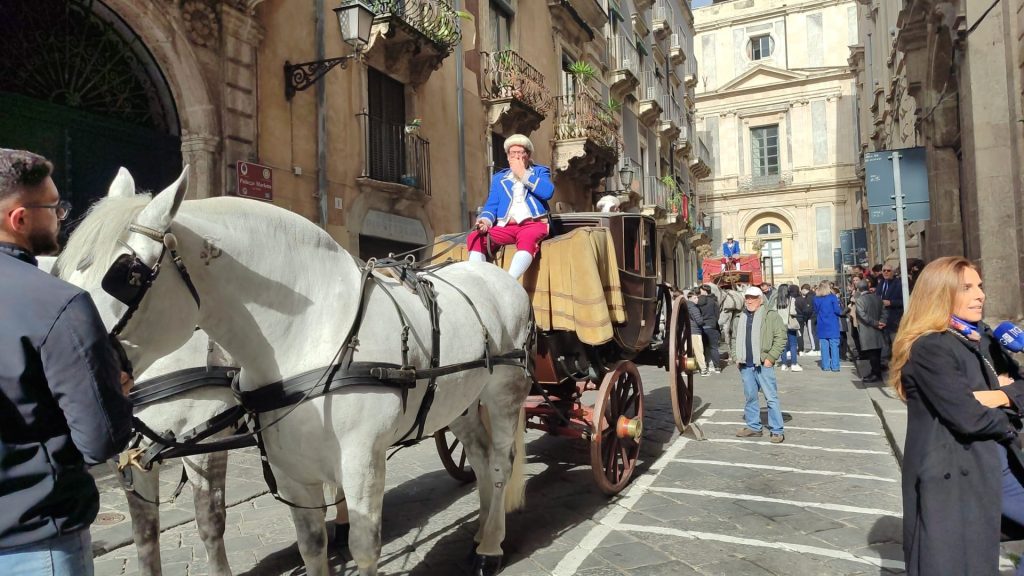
963, 422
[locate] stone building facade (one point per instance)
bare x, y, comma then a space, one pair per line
387, 150
776, 101
946, 76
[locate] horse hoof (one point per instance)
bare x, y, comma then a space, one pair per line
486, 565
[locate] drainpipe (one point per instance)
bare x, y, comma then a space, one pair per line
321, 123
461, 113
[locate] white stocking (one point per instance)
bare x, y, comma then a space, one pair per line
475, 256
520, 262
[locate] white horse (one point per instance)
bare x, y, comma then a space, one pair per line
206, 473
280, 295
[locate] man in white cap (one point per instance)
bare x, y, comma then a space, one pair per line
730, 254
516, 211
759, 342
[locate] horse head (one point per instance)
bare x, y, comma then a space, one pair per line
116, 254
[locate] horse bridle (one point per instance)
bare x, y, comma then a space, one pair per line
129, 278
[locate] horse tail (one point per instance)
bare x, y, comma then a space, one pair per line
515, 490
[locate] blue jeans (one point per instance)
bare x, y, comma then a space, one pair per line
829, 354
761, 378
67, 555
792, 350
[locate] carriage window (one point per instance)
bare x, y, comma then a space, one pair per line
631, 244
650, 243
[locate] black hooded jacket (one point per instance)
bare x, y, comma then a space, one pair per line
61, 405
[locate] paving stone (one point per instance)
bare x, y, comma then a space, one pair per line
673, 568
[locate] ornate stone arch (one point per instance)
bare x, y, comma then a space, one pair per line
782, 219
169, 45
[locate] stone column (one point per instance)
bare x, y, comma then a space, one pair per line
199, 152
240, 38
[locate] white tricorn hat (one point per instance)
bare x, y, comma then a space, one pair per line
518, 140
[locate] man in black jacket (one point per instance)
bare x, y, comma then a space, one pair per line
708, 305
62, 402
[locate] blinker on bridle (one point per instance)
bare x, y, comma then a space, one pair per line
129, 278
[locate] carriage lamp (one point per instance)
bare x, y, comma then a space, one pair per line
706, 220
354, 21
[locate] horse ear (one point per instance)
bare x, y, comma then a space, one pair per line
123, 185
159, 213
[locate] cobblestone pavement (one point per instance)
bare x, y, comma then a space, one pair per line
827, 501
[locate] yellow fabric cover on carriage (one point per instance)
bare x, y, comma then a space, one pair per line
573, 285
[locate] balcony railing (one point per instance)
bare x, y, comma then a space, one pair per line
677, 50
582, 116
652, 89
656, 192
764, 181
509, 75
394, 153
435, 19
661, 20
624, 55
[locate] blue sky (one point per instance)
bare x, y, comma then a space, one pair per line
699, 3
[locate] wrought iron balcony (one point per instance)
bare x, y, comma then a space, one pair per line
684, 143
411, 38
517, 96
625, 65
652, 92
676, 49
661, 21
393, 153
765, 181
671, 119
586, 137
701, 166
656, 192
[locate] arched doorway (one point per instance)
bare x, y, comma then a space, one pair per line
78, 86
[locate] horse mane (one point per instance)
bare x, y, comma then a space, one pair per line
96, 236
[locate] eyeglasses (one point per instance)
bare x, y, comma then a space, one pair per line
886, 269
61, 209
515, 154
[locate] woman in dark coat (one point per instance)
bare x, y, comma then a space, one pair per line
963, 395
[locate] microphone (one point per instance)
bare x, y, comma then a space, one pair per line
1010, 336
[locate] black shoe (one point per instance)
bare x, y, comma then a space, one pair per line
871, 378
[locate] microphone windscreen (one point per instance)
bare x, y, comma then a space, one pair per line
1010, 336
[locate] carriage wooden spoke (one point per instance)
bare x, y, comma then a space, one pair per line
617, 428
681, 364
453, 456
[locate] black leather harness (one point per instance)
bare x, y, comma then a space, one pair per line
129, 280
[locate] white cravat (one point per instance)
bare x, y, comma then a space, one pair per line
518, 211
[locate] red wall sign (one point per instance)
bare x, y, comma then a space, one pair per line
255, 181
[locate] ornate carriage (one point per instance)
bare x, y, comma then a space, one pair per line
600, 311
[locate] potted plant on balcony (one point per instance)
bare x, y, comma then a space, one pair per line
674, 202
582, 72
413, 126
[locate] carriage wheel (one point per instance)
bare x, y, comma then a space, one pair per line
617, 428
453, 456
681, 364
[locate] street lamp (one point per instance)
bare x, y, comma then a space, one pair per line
626, 176
354, 21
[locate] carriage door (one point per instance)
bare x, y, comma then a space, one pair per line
79, 87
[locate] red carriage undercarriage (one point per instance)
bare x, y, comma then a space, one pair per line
600, 312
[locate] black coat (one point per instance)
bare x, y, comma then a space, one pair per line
952, 489
61, 404
708, 306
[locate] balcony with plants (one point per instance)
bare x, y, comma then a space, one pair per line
515, 93
652, 98
410, 39
396, 159
587, 141
624, 65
